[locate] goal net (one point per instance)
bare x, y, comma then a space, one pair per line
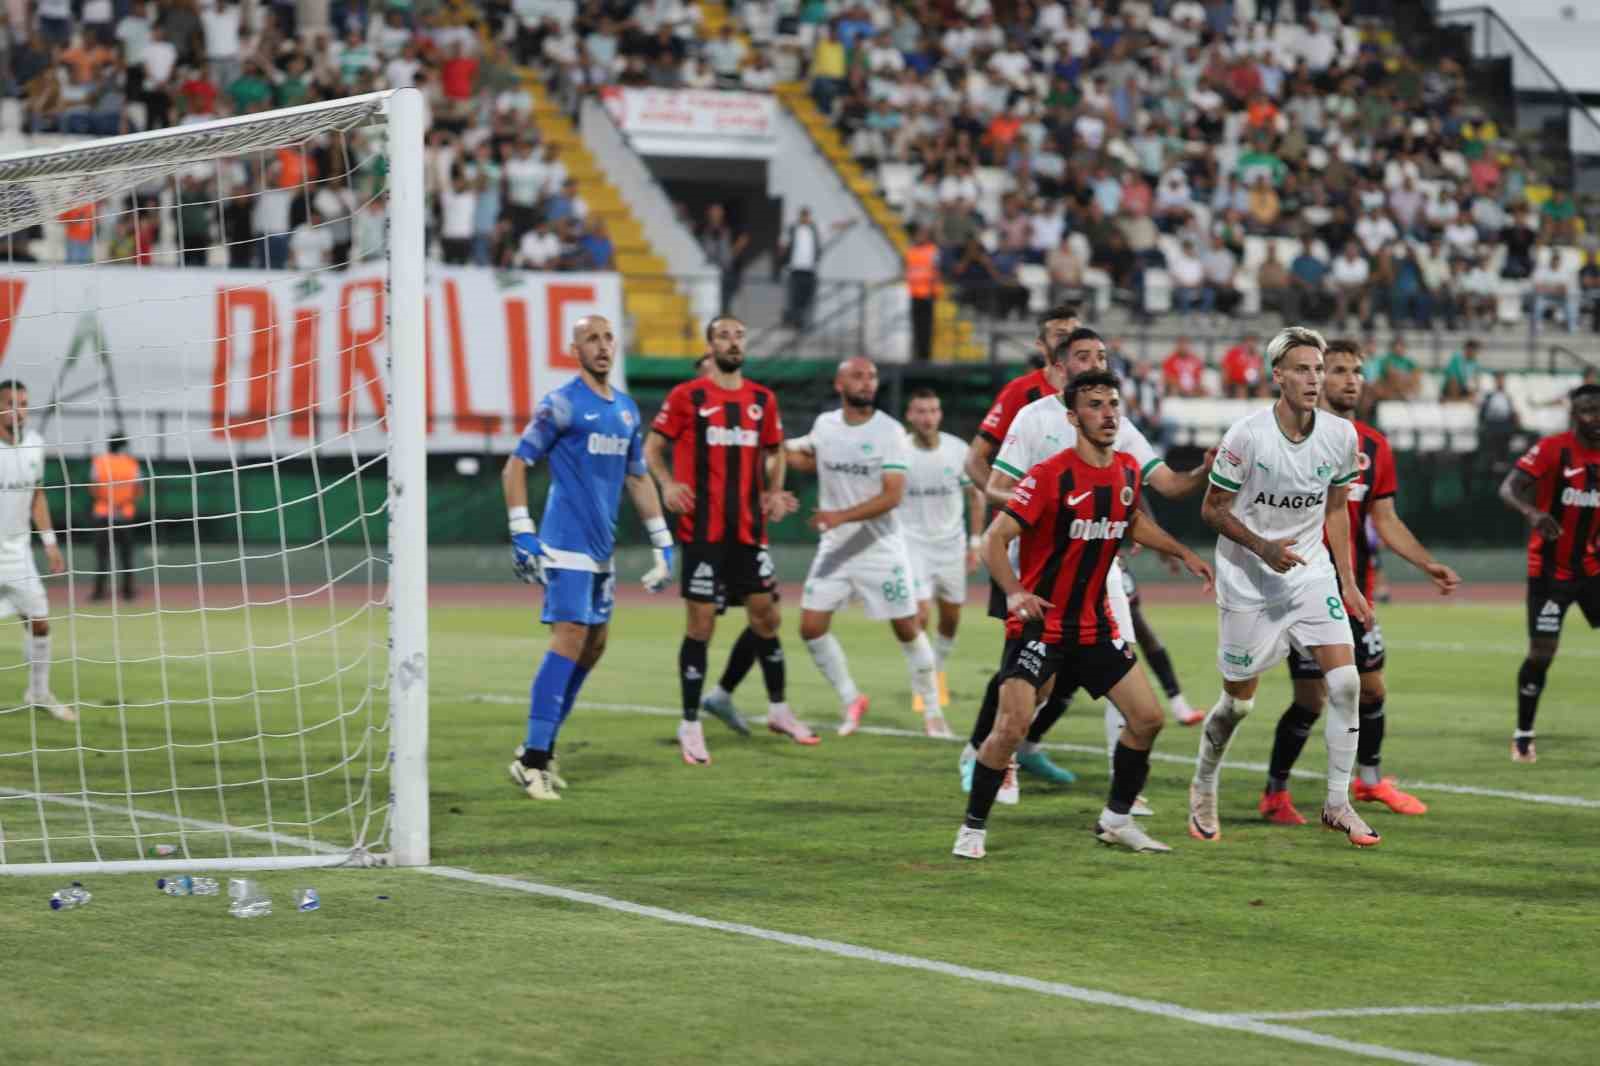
212, 366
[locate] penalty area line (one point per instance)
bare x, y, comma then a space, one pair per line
1085, 749
1379, 1012
1234, 1023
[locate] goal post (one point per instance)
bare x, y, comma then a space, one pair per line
238, 646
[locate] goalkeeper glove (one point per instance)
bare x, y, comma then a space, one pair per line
527, 551
658, 576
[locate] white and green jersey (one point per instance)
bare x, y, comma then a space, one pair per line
1041, 429
1281, 491
933, 511
21, 472
851, 463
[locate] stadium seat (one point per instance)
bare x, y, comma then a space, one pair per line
1036, 279
1460, 424
1395, 421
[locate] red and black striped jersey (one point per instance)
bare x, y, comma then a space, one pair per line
1013, 397
1566, 477
1375, 480
1074, 517
719, 437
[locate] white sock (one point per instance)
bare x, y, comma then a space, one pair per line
924, 673
829, 657
719, 693
1114, 722
777, 708
38, 663
1112, 820
968, 752
1028, 747
1215, 733
942, 647
1342, 728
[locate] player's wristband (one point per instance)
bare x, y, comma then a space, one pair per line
660, 535
974, 543
519, 520
47, 537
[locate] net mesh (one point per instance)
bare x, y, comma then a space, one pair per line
215, 299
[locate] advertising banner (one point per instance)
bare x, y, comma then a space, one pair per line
247, 363
702, 123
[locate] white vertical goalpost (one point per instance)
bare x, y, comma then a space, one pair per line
246, 649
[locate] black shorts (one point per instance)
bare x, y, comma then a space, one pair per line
1548, 600
1094, 667
1370, 654
724, 574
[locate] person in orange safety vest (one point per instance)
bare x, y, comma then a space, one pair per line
116, 486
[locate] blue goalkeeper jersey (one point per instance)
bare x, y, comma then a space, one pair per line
591, 444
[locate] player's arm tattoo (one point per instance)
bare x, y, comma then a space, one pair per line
980, 453
998, 488
1217, 510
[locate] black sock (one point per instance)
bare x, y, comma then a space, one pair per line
1369, 745
1294, 728
1161, 663
1129, 770
986, 713
985, 786
691, 675
740, 660
769, 653
535, 760
1048, 715
1530, 685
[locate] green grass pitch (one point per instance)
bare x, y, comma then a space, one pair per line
1484, 900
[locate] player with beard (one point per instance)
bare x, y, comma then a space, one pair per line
1071, 513
1556, 487
725, 483
860, 456
1372, 496
1040, 430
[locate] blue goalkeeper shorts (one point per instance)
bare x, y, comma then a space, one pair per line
578, 596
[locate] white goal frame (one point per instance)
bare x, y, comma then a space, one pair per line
401, 111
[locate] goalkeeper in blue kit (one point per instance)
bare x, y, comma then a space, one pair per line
589, 434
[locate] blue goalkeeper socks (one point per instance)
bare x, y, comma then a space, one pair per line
574, 683
547, 701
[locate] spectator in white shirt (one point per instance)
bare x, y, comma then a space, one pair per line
1461, 237
1188, 280
883, 57
310, 244
1375, 231
1349, 276
1554, 286
458, 204
539, 248
219, 21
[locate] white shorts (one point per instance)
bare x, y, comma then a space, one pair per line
1117, 600
21, 591
938, 571
1251, 642
879, 576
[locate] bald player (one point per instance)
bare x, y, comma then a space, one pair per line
589, 434
860, 457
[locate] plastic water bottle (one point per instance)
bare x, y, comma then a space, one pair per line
175, 886
158, 851
250, 907
203, 886
67, 898
242, 888
306, 899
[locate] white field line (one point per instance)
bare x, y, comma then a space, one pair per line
193, 825
1378, 1012
1085, 749
966, 973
